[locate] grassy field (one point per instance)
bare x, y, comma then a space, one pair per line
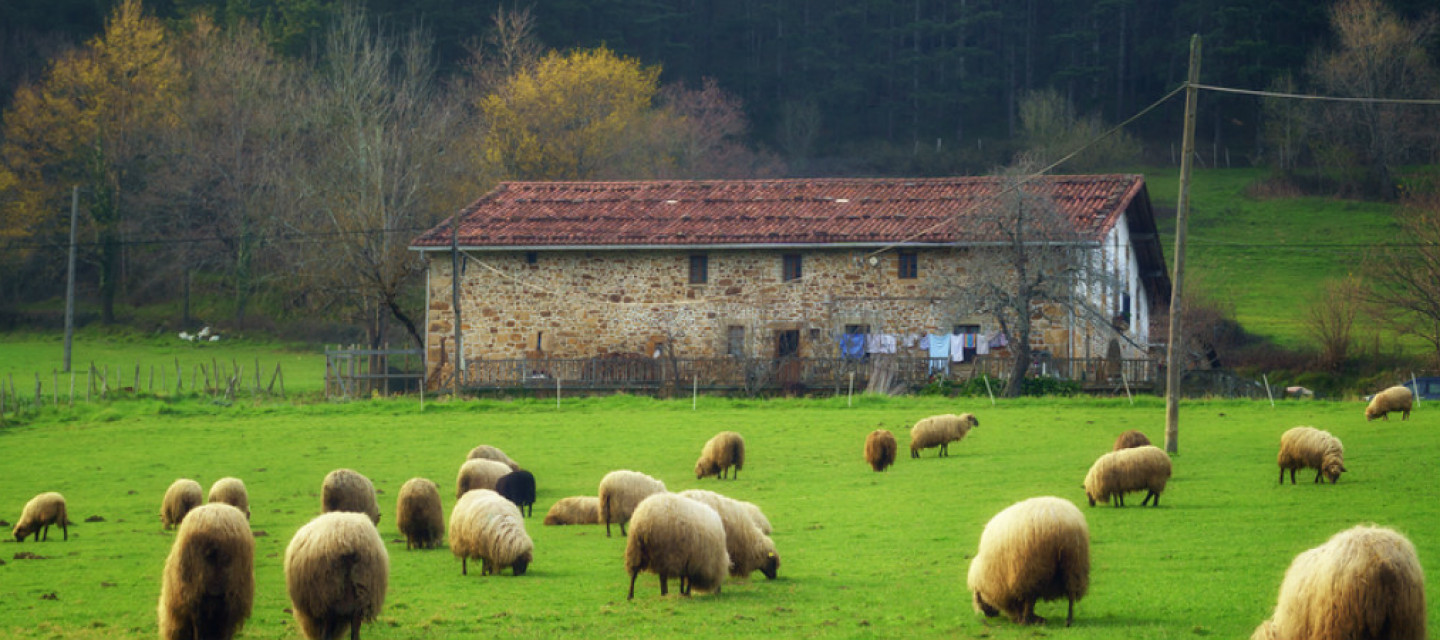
864, 554
1270, 257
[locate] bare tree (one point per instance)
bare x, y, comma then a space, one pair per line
386, 162
1404, 279
1330, 320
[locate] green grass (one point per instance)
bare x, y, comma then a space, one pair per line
1270, 257
864, 554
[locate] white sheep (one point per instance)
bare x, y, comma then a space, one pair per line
940, 431
1303, 447
488, 452
674, 536
1364, 582
620, 492
750, 549
348, 490
1119, 472
231, 491
1036, 549
574, 510
337, 572
487, 526
720, 453
479, 473
39, 513
1397, 398
418, 514
208, 585
182, 496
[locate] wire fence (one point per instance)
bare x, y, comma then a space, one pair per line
219, 380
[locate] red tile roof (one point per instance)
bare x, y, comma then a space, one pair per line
764, 212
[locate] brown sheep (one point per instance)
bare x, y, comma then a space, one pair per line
487, 526
1365, 582
1303, 447
1397, 398
418, 514
1119, 472
725, 450
347, 490
231, 491
1130, 439
488, 452
620, 492
182, 496
1036, 549
208, 585
940, 431
880, 449
39, 513
674, 536
337, 572
479, 473
574, 510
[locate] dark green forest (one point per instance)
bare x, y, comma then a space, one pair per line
841, 78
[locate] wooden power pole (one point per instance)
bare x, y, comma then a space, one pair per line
459, 367
1174, 363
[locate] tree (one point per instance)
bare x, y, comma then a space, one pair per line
1051, 129
94, 120
1379, 55
1404, 279
570, 117
385, 162
1330, 319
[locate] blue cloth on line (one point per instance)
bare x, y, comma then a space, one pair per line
940, 352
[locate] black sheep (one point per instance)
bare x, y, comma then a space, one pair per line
519, 488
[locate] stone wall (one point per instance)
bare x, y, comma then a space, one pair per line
580, 304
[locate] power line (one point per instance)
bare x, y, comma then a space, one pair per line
1304, 96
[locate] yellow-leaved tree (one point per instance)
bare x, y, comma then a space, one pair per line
92, 121
574, 116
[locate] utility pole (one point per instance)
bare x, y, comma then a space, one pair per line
70, 277
1173, 362
455, 301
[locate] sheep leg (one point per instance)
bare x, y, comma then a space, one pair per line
1070, 615
633, 573
355, 626
1317, 475
914, 453
1282, 475
463, 565
1292, 476
622, 531
1150, 495
665, 585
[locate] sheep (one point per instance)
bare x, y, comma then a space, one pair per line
231, 491
1119, 472
758, 516
1130, 439
336, 572
1365, 582
418, 514
880, 449
488, 452
676, 536
1302, 447
209, 581
749, 549
1396, 398
519, 488
574, 510
478, 473
725, 450
485, 525
348, 490
1036, 549
39, 513
620, 492
940, 431
182, 496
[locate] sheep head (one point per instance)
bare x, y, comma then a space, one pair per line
706, 468
20, 531
521, 564
1334, 466
771, 568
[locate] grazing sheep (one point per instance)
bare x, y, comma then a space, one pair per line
1119, 472
1303, 447
1036, 549
620, 492
519, 488
488, 452
1364, 583
182, 496
940, 431
418, 514
485, 525
231, 491
1393, 399
40, 512
347, 490
1130, 439
880, 449
479, 473
749, 549
574, 510
758, 516
725, 450
209, 581
337, 572
675, 536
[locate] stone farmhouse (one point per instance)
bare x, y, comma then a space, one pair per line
765, 270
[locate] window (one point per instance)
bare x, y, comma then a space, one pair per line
735, 341
531, 257
909, 265
857, 328
699, 269
790, 268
